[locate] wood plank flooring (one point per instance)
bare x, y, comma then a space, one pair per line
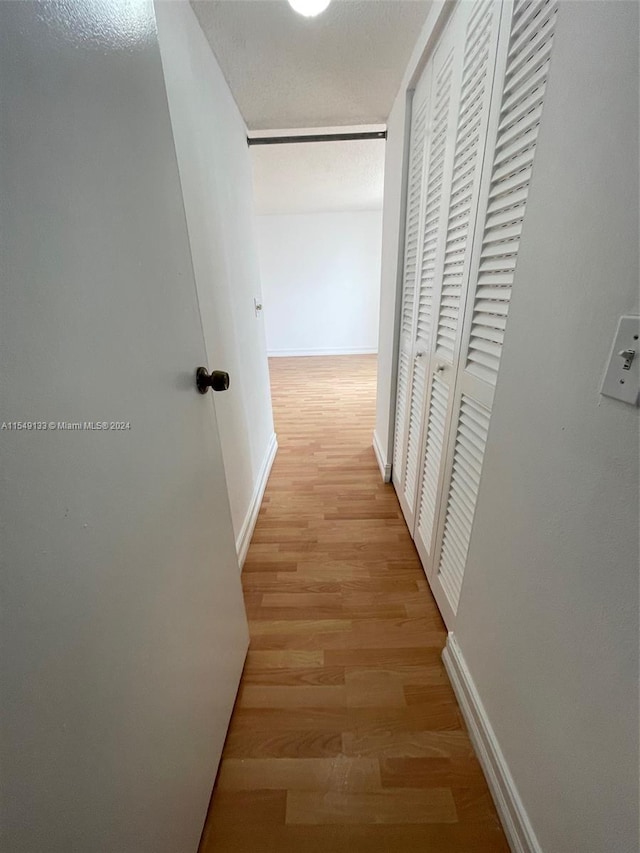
346, 735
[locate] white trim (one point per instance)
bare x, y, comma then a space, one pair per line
383, 465
243, 540
288, 353
513, 816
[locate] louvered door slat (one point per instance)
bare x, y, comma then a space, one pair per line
532, 84
401, 408
467, 157
520, 115
434, 443
524, 12
530, 26
500, 202
495, 333
415, 426
521, 72
497, 307
522, 107
433, 201
511, 184
520, 137
471, 435
493, 236
534, 47
524, 115
413, 216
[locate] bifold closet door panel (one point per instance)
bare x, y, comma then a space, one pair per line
522, 72
420, 106
477, 35
446, 68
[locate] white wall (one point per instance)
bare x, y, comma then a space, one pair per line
548, 617
390, 293
215, 170
318, 177
321, 281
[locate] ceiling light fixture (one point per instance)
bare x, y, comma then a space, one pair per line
309, 8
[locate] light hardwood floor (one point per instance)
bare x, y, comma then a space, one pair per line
346, 735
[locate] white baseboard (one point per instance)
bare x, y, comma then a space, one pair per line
243, 539
385, 467
293, 353
513, 816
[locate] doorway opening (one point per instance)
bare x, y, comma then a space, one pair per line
318, 197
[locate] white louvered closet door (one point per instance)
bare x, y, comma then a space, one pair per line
477, 36
415, 177
523, 62
445, 70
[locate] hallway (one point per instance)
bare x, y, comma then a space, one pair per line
346, 734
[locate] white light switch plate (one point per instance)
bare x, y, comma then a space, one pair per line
620, 383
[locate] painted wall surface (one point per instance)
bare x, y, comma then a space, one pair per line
321, 281
548, 618
321, 177
390, 293
215, 171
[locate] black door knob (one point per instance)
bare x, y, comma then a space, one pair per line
217, 379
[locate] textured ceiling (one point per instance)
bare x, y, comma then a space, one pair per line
311, 177
343, 67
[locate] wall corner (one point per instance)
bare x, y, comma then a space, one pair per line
381, 459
